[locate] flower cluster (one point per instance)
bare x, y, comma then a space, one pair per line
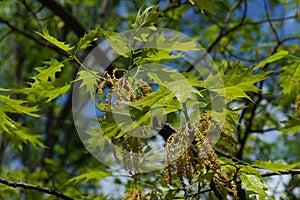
125, 89
192, 144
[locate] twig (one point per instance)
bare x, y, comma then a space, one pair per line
233, 158
263, 130
173, 6
35, 187
270, 23
232, 8
269, 20
32, 13
291, 171
27, 35
66, 16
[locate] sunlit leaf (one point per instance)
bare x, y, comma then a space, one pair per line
291, 126
275, 167
254, 185
118, 42
89, 80
206, 5
147, 18
290, 80
18, 134
17, 106
91, 175
238, 81
277, 56
54, 41
49, 70
88, 38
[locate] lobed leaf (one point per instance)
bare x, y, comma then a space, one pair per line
49, 70
291, 126
147, 18
277, 56
46, 85
254, 185
17, 134
54, 41
206, 5
238, 82
91, 175
89, 80
275, 167
17, 106
88, 38
290, 80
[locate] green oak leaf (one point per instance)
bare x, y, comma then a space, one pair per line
54, 41
90, 175
205, 5
88, 38
254, 185
275, 167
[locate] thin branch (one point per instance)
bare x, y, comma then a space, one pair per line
270, 23
66, 16
270, 20
239, 125
249, 125
32, 13
224, 33
232, 8
289, 172
232, 54
263, 131
36, 188
233, 158
27, 35
173, 6
5, 35
285, 40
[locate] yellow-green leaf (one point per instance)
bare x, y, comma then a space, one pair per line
206, 5
17, 106
291, 126
275, 167
88, 38
54, 41
89, 80
91, 175
277, 56
253, 184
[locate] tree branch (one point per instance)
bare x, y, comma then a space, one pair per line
27, 35
291, 171
36, 188
270, 23
70, 21
233, 158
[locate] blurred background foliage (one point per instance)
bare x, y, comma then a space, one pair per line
240, 33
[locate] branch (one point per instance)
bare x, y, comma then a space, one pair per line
35, 187
69, 20
233, 158
27, 35
270, 23
266, 174
223, 32
263, 130
32, 13
291, 171
173, 6
269, 20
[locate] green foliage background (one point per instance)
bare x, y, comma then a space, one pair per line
255, 45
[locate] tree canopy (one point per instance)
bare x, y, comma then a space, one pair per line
156, 99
